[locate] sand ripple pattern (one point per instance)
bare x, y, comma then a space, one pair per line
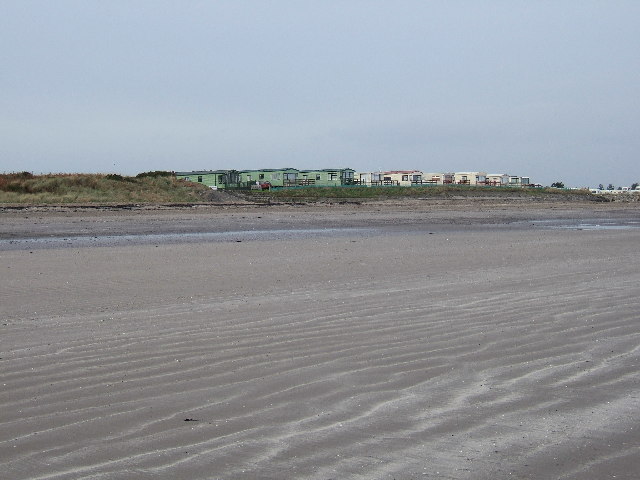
486, 373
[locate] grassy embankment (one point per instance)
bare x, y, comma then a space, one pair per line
150, 187
444, 191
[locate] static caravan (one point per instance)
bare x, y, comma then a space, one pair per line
277, 177
437, 178
498, 179
375, 179
327, 177
368, 178
470, 178
515, 181
211, 178
402, 178
347, 176
432, 178
407, 177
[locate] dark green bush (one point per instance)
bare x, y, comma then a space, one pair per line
120, 178
156, 173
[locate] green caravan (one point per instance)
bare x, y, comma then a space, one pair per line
276, 177
273, 177
327, 177
212, 178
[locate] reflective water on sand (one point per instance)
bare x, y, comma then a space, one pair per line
588, 224
164, 238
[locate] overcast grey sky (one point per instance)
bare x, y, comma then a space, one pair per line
549, 89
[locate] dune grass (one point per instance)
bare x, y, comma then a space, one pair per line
152, 187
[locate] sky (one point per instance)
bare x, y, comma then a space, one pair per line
548, 89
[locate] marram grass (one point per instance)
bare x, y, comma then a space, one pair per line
24, 188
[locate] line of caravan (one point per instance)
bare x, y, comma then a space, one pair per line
271, 177
332, 177
616, 191
416, 177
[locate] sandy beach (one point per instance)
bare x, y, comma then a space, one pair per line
457, 340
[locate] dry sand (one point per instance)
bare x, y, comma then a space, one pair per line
470, 341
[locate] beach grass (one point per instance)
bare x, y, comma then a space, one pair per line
150, 187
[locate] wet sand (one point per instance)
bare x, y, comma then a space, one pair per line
377, 341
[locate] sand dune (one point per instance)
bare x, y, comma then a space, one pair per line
421, 352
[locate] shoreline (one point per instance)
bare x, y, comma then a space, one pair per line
68, 221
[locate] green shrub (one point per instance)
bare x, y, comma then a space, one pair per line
120, 178
156, 173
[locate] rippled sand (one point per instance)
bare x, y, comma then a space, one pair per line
452, 349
